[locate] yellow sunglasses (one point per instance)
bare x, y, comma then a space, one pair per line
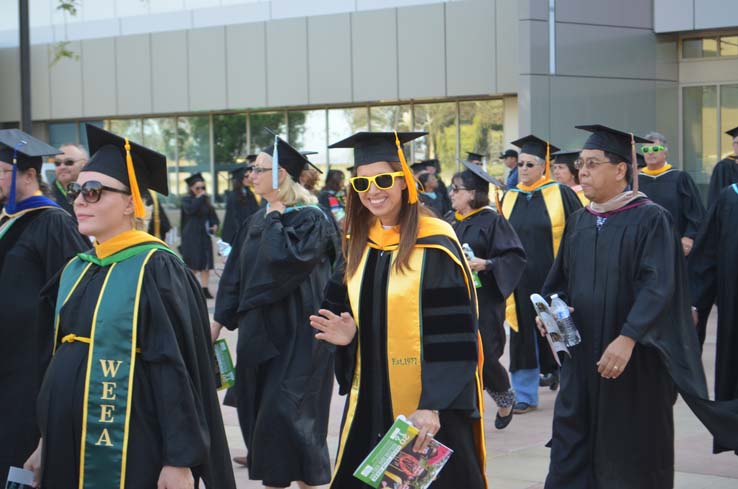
382, 181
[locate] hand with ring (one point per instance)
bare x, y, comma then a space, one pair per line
428, 422
616, 357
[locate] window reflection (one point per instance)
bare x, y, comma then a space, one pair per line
229, 149
159, 134
728, 117
259, 122
700, 132
341, 124
481, 131
127, 128
439, 121
193, 150
307, 133
390, 118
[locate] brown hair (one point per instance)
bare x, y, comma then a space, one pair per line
359, 220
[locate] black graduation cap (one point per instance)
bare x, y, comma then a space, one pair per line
289, 158
371, 147
533, 145
251, 158
481, 178
28, 150
610, 140
472, 156
733, 132
418, 167
566, 157
509, 153
193, 179
137, 167
238, 172
641, 160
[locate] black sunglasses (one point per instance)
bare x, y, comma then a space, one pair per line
521, 164
90, 191
67, 162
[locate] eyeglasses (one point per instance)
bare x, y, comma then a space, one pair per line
652, 149
456, 188
67, 162
589, 164
382, 181
522, 164
91, 191
260, 169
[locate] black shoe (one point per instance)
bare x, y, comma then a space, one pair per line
501, 422
549, 380
207, 293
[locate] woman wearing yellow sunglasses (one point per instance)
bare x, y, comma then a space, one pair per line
403, 314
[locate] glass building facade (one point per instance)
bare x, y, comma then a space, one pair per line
215, 143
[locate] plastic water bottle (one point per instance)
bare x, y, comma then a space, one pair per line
469, 253
563, 318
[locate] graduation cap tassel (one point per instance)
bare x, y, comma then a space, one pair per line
634, 162
412, 190
275, 164
498, 202
548, 161
139, 211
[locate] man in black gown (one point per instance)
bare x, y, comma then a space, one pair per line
620, 267
725, 172
37, 238
713, 278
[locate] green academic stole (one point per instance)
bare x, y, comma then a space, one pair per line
110, 363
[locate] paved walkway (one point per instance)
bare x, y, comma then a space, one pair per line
517, 457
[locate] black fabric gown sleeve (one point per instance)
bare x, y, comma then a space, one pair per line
175, 348
449, 337
692, 209
227, 298
506, 256
336, 300
703, 261
724, 174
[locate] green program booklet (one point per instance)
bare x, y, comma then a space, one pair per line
393, 463
226, 372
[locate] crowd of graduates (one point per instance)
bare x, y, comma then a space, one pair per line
397, 285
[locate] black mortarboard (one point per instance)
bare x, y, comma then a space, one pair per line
566, 157
533, 145
733, 132
472, 156
371, 147
238, 172
509, 153
251, 158
193, 179
28, 150
418, 167
641, 160
480, 178
137, 167
610, 140
292, 160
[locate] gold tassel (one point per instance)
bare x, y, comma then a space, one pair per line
412, 190
548, 161
139, 211
634, 162
498, 202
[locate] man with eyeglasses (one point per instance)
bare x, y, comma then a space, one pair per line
36, 239
68, 165
725, 172
621, 269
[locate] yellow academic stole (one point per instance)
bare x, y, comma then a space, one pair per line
110, 362
555, 205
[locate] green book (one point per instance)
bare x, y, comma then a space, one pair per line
227, 373
394, 463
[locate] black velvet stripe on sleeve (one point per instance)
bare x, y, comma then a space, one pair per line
450, 351
447, 322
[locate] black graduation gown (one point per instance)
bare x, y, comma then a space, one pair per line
197, 219
627, 278
725, 173
442, 192
675, 191
713, 267
530, 220
272, 282
238, 209
491, 237
35, 248
164, 224
448, 383
60, 198
175, 416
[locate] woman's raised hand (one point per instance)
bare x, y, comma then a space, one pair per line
338, 330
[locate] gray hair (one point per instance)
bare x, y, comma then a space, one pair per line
657, 136
79, 147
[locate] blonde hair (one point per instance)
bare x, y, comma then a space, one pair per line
291, 192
